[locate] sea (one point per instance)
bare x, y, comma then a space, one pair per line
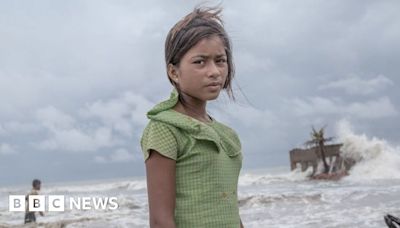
270, 197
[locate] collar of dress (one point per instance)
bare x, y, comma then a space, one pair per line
163, 112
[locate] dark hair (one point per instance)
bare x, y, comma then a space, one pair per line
36, 183
197, 25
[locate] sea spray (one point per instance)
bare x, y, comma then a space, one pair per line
376, 158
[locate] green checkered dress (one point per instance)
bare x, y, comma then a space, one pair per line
208, 161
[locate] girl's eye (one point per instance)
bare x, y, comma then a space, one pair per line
221, 61
199, 62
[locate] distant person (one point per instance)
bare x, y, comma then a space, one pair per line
30, 216
192, 160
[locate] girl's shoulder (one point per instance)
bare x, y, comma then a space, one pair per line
159, 126
163, 138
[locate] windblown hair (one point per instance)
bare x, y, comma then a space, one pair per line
197, 25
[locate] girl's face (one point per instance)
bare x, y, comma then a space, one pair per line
203, 70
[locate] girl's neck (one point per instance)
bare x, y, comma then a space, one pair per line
192, 107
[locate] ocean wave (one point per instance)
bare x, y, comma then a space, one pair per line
376, 158
130, 203
250, 179
97, 187
266, 200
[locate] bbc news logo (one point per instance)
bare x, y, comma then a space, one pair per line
58, 203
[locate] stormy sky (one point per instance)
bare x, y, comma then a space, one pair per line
77, 77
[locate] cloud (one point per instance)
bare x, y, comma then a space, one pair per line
98, 125
100, 159
313, 106
121, 113
2, 130
68, 134
7, 149
54, 119
373, 109
77, 140
370, 109
357, 86
16, 127
120, 155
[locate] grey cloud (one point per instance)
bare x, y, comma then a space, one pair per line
382, 107
52, 118
120, 113
2, 130
17, 128
118, 156
354, 85
78, 140
374, 109
67, 134
7, 149
101, 124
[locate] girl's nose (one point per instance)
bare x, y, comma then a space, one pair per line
212, 70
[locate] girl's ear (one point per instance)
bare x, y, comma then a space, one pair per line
173, 73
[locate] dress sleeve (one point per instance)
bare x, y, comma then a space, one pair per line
157, 136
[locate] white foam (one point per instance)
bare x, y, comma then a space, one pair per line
97, 187
376, 158
249, 178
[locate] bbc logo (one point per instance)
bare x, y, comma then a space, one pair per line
57, 203
36, 203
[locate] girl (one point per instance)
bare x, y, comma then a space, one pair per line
193, 161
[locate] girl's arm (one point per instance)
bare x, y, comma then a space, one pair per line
160, 172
